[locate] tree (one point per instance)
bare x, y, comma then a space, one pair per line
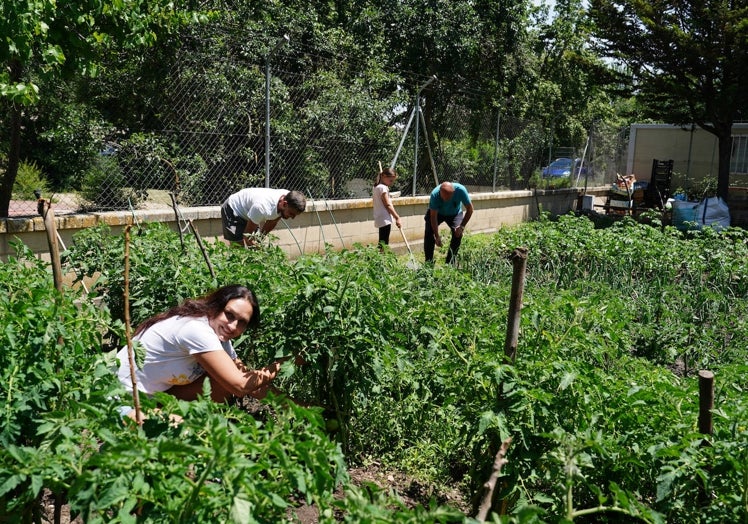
44, 40
688, 61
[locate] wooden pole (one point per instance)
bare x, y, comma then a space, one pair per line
44, 208
519, 260
706, 405
177, 217
489, 486
128, 336
706, 401
202, 247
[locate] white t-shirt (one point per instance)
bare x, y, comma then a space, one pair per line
169, 349
257, 204
382, 217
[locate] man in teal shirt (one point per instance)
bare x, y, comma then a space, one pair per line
446, 205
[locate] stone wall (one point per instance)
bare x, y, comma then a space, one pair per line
339, 223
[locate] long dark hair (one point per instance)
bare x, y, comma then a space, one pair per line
209, 306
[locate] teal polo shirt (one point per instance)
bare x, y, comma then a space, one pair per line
451, 208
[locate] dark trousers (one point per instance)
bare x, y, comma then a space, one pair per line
428, 237
384, 234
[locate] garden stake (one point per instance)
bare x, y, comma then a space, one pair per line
195, 233
176, 217
706, 405
490, 485
44, 208
342, 242
519, 261
293, 236
128, 335
321, 229
202, 248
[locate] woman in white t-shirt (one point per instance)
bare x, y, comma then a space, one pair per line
384, 211
192, 342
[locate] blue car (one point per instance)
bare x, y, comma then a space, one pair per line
562, 167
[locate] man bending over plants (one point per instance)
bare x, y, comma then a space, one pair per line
257, 210
446, 204
191, 342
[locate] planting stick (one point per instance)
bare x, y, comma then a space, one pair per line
519, 261
202, 248
301, 252
45, 210
130, 352
342, 242
706, 401
176, 217
321, 228
706, 405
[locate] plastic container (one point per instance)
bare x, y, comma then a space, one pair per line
684, 214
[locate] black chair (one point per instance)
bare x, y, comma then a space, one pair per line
658, 190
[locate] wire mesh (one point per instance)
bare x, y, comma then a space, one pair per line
326, 138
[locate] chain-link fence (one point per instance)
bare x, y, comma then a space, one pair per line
230, 124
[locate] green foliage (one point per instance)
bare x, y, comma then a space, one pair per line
29, 179
61, 431
159, 279
601, 401
49, 36
104, 187
67, 137
47, 339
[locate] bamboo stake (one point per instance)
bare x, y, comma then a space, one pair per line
130, 352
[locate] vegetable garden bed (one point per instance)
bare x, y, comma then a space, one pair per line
601, 403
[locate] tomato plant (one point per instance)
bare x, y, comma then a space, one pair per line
601, 402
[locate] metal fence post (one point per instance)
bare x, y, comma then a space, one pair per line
418, 110
280, 42
496, 151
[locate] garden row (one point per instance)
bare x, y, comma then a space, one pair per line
601, 402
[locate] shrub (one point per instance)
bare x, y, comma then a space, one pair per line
28, 180
104, 187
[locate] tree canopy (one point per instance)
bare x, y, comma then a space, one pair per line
45, 40
569, 68
687, 60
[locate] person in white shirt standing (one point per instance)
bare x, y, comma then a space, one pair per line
384, 211
258, 210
